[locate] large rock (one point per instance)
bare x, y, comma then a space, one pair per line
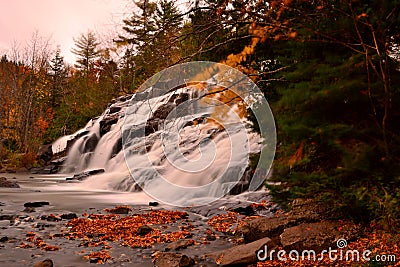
49, 169
59, 161
69, 216
36, 204
317, 236
163, 111
170, 259
242, 255
116, 148
144, 230
303, 211
90, 144
9, 184
152, 126
71, 142
107, 122
183, 97
179, 244
114, 109
267, 227
5, 217
44, 263
311, 209
45, 153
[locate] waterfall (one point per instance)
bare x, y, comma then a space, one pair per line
166, 143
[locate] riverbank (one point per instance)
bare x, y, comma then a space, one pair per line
46, 218
37, 222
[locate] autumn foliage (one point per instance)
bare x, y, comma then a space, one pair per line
114, 228
377, 242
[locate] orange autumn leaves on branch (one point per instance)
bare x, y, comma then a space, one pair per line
42, 124
259, 34
227, 96
235, 61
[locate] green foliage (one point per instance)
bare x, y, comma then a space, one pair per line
58, 75
336, 143
212, 35
151, 38
330, 70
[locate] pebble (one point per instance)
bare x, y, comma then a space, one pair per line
69, 216
144, 230
29, 209
153, 203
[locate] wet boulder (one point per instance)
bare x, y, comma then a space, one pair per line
90, 144
107, 122
163, 111
183, 97
170, 259
144, 230
45, 153
69, 216
303, 211
44, 263
71, 142
9, 184
317, 236
117, 147
114, 109
36, 204
241, 255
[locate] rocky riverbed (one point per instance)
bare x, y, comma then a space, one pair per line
46, 222
43, 218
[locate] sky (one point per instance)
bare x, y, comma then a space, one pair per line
59, 20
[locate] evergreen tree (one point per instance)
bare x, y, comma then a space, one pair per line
127, 71
152, 38
58, 74
338, 130
215, 30
140, 26
87, 52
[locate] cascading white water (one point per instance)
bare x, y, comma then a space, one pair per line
83, 156
170, 134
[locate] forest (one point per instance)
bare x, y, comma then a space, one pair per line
330, 70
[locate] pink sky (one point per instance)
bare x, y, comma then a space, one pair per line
62, 20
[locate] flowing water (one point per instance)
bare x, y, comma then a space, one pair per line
171, 144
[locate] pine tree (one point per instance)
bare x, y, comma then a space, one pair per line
87, 51
337, 125
152, 37
58, 74
139, 28
127, 71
